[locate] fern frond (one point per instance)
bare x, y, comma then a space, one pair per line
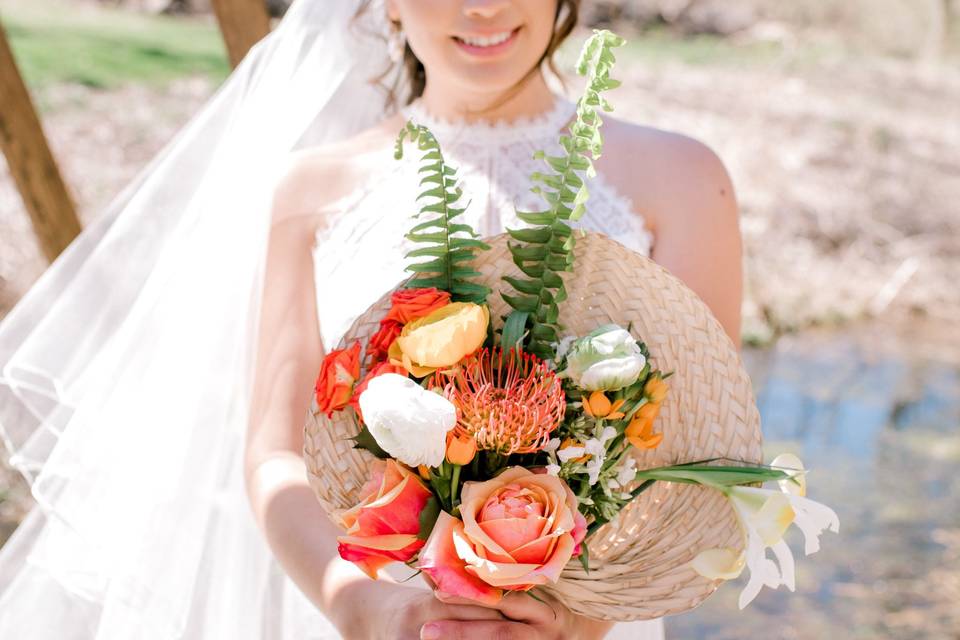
545, 249
449, 246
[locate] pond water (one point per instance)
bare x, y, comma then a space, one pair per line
875, 415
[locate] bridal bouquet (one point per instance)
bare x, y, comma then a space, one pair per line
502, 442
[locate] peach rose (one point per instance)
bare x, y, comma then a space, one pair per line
519, 530
410, 304
338, 373
383, 528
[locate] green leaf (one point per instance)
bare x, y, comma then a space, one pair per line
521, 303
533, 236
585, 557
365, 440
428, 518
513, 330
468, 243
427, 251
545, 218
530, 287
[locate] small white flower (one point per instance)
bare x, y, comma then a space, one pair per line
627, 472
563, 347
569, 453
597, 448
607, 359
553, 469
552, 445
407, 421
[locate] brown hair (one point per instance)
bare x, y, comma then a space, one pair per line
417, 76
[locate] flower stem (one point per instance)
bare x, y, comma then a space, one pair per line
454, 486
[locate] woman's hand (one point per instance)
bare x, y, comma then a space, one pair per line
381, 610
524, 618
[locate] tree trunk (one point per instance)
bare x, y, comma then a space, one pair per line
243, 23
34, 170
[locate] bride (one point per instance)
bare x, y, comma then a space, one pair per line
162, 432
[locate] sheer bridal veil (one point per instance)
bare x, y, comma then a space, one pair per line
126, 370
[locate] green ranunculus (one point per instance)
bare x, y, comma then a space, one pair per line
607, 359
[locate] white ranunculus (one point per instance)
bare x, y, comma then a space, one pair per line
607, 359
407, 421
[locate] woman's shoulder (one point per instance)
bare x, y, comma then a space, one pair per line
670, 177
317, 177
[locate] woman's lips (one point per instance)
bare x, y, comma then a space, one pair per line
490, 50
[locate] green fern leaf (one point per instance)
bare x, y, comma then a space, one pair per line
545, 250
449, 246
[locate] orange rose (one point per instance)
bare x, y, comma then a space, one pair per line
519, 530
379, 343
383, 528
378, 370
410, 304
338, 373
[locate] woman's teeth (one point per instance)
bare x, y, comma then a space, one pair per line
489, 41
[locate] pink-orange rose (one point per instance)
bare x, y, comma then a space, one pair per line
383, 528
518, 530
410, 304
338, 374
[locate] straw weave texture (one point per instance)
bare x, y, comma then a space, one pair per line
640, 562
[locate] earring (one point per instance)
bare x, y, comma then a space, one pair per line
396, 44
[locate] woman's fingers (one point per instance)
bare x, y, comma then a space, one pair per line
476, 630
521, 606
515, 605
443, 611
449, 599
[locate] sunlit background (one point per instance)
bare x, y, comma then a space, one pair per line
840, 124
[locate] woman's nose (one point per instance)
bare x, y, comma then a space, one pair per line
484, 8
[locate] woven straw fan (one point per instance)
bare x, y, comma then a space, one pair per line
640, 562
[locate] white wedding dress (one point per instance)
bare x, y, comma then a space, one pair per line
360, 248
208, 573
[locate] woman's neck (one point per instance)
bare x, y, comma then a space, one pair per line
455, 104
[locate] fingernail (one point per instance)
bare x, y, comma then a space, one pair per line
430, 632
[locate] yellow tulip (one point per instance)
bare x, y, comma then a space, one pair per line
441, 339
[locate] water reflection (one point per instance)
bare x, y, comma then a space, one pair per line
876, 417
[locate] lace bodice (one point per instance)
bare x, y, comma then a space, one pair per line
359, 248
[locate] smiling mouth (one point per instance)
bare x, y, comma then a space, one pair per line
493, 43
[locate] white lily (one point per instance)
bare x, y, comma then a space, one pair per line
764, 516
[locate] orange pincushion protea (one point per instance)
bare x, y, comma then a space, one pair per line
508, 404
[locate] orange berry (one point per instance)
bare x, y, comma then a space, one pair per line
655, 389
599, 404
461, 449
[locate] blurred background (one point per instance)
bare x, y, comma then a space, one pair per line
839, 121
